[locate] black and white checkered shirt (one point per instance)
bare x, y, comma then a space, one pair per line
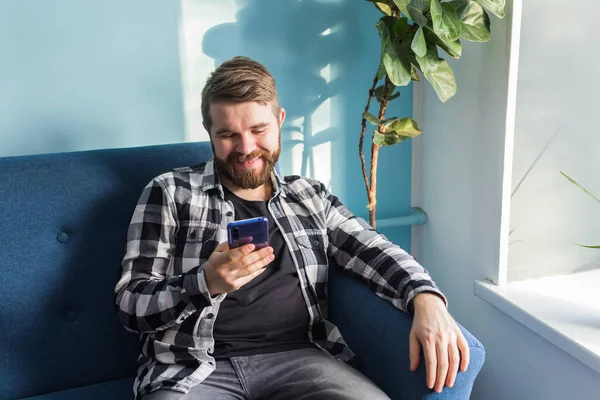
180, 219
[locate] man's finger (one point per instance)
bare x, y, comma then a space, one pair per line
249, 259
248, 278
454, 358
261, 260
414, 351
239, 252
223, 246
430, 356
442, 366
463, 346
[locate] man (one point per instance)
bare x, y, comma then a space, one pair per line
221, 323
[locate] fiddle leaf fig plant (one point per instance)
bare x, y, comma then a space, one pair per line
412, 33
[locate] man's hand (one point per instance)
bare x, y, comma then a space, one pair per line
229, 269
444, 345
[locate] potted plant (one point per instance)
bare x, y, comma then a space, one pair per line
412, 32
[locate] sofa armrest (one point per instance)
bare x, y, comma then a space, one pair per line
378, 333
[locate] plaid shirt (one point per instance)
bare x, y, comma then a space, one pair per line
179, 220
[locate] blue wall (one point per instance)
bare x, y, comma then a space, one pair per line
79, 75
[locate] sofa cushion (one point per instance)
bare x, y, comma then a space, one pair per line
113, 390
63, 223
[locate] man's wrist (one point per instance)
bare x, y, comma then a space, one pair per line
424, 299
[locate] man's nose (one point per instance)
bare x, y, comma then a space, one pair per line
246, 145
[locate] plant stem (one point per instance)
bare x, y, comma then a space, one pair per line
362, 135
372, 190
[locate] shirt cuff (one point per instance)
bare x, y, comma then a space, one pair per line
424, 289
196, 288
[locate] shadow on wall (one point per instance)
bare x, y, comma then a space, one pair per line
323, 55
86, 75
302, 43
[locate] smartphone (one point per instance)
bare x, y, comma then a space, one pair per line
252, 230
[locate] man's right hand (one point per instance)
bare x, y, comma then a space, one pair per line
229, 269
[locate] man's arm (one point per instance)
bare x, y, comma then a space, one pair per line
357, 247
398, 278
147, 299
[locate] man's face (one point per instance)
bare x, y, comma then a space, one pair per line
246, 141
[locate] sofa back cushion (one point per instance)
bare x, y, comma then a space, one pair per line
63, 225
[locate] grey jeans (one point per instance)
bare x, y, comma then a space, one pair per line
306, 374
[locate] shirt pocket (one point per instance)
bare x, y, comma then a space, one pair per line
312, 246
313, 240
196, 241
197, 231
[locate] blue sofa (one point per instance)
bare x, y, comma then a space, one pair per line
63, 223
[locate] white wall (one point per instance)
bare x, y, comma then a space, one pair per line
556, 110
458, 172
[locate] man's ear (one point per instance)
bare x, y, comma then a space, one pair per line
281, 116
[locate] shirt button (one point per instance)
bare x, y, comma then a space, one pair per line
210, 315
229, 213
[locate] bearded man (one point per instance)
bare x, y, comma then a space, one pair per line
247, 322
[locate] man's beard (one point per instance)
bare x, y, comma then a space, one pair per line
249, 179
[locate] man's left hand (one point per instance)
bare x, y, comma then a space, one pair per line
444, 346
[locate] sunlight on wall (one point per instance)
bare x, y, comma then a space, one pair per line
320, 149
308, 81
197, 17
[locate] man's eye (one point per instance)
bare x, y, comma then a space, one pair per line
258, 131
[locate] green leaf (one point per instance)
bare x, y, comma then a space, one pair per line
589, 247
413, 74
474, 19
419, 46
381, 69
385, 26
435, 9
496, 7
383, 7
413, 9
443, 81
430, 61
381, 94
386, 139
573, 181
371, 118
438, 73
394, 96
401, 27
396, 64
405, 127
446, 24
454, 49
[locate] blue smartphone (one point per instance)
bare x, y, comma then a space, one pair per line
252, 230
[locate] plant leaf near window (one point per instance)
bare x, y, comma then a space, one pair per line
574, 182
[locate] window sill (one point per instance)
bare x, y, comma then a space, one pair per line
565, 310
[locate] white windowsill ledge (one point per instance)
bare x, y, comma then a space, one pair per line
565, 310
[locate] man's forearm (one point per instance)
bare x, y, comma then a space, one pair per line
149, 305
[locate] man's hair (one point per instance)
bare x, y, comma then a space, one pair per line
238, 80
